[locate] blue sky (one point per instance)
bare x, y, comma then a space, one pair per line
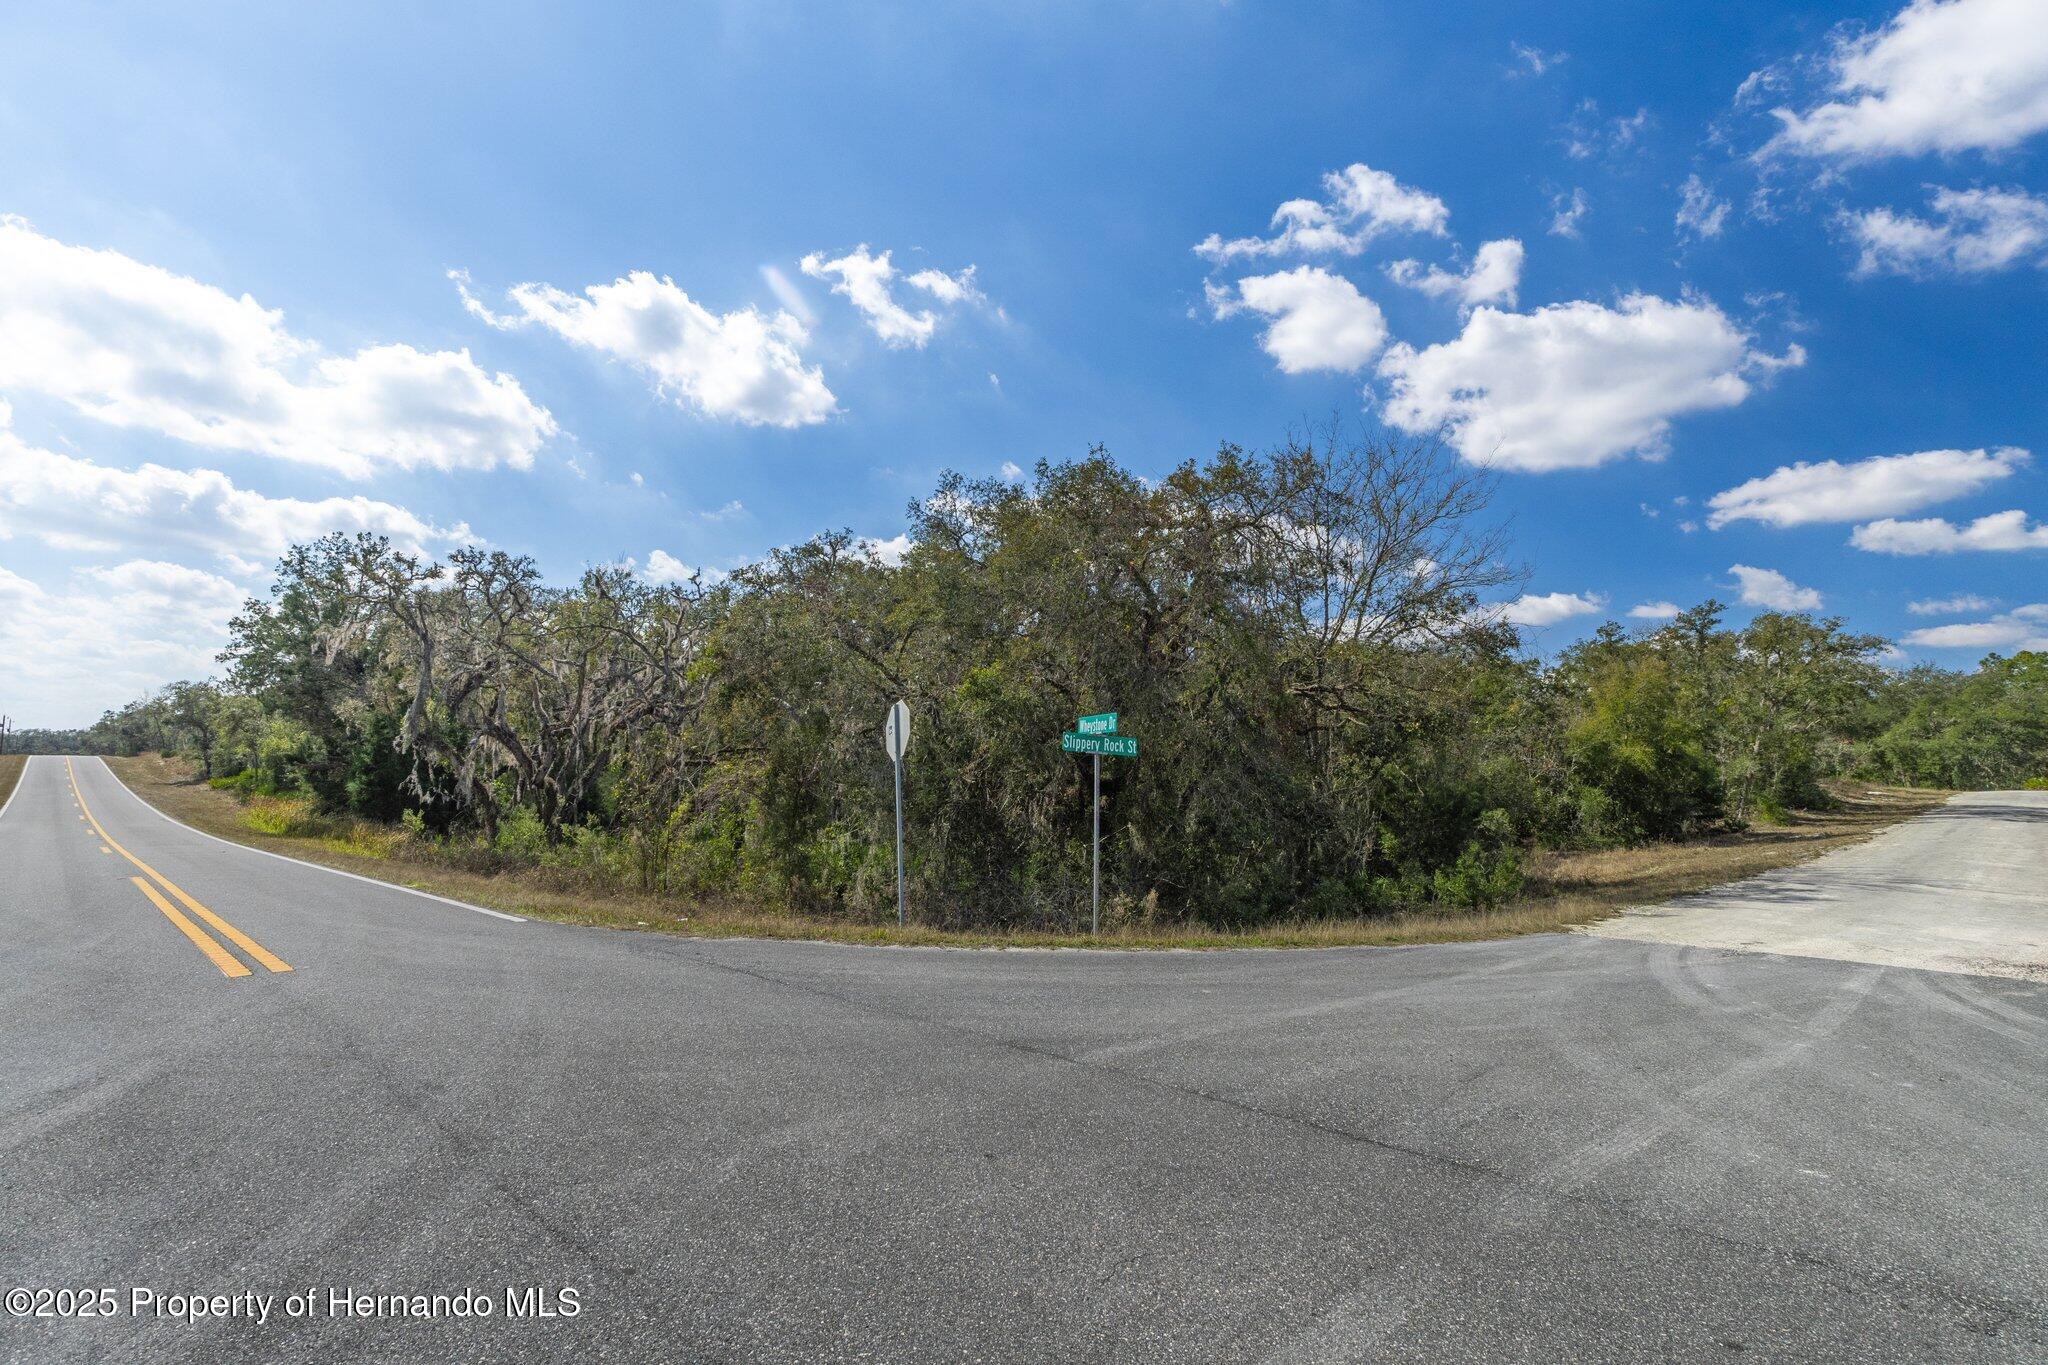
613, 286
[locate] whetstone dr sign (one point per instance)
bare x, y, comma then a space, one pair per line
1096, 736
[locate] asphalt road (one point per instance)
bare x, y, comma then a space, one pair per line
1554, 1148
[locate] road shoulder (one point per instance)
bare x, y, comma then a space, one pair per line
11, 766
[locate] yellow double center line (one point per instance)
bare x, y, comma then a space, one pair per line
228, 963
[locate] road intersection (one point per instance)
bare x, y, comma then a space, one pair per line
1553, 1147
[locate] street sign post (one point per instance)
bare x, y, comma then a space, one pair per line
1095, 736
896, 740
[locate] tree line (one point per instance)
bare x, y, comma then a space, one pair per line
1332, 721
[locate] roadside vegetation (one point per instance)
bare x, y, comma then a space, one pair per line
1561, 889
10, 773
26, 742
1340, 742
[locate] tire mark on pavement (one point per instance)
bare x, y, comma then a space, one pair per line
1986, 1015
1575, 1168
1519, 1197
1246, 1024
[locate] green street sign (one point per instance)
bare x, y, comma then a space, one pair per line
1111, 746
1096, 735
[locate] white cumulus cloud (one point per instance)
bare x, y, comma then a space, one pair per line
1653, 611
744, 366
1536, 610
1573, 385
868, 282
1771, 589
108, 636
75, 504
664, 569
890, 552
1974, 232
1493, 276
136, 346
1940, 76
956, 288
1884, 485
2021, 628
1359, 204
1319, 320
2008, 530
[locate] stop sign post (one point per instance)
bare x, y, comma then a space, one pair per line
896, 740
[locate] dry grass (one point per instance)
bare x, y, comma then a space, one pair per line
10, 773
1593, 885
1563, 889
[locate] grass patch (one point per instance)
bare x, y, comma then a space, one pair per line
292, 818
10, 773
280, 816
1562, 890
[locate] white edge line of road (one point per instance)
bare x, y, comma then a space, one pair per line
26, 759
283, 858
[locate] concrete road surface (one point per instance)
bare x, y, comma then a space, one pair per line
1963, 888
1555, 1148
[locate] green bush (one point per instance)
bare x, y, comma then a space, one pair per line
1488, 870
1480, 879
1410, 889
1637, 755
521, 835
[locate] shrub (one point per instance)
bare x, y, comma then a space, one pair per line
1637, 752
1489, 869
521, 835
1480, 879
